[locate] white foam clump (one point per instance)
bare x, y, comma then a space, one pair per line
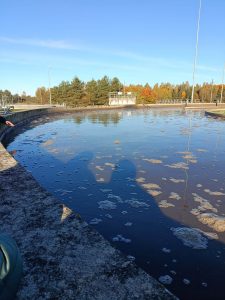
108, 216
191, 237
100, 180
166, 250
179, 165
82, 188
204, 204
95, 221
213, 193
213, 221
165, 204
106, 204
128, 224
152, 188
105, 190
118, 198
153, 161
99, 168
186, 281
188, 156
166, 279
120, 238
175, 196
131, 257
184, 152
140, 179
210, 235
154, 192
174, 180
195, 211
202, 150
110, 165
130, 179
136, 204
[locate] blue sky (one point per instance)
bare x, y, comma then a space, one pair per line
138, 41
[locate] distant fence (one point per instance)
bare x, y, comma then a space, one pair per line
183, 101
172, 101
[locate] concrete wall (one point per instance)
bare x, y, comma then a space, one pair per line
21, 117
216, 113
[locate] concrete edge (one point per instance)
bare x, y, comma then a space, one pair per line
214, 113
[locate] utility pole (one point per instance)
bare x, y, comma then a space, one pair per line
211, 96
221, 96
196, 52
49, 87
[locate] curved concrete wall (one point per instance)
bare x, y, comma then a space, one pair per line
216, 113
21, 117
63, 257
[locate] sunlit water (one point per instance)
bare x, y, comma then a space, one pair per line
144, 179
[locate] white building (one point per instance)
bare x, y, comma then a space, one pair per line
119, 98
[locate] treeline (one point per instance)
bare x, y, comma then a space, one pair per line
95, 92
6, 97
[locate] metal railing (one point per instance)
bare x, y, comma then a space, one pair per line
172, 101
5, 106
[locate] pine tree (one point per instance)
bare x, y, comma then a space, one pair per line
103, 90
92, 91
116, 85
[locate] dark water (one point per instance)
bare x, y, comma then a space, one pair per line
146, 178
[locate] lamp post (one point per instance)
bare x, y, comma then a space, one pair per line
221, 96
49, 87
196, 52
211, 95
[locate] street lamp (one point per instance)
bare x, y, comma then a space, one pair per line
221, 96
49, 86
196, 52
211, 94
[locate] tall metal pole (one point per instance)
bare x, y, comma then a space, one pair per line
196, 52
49, 87
221, 96
211, 96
